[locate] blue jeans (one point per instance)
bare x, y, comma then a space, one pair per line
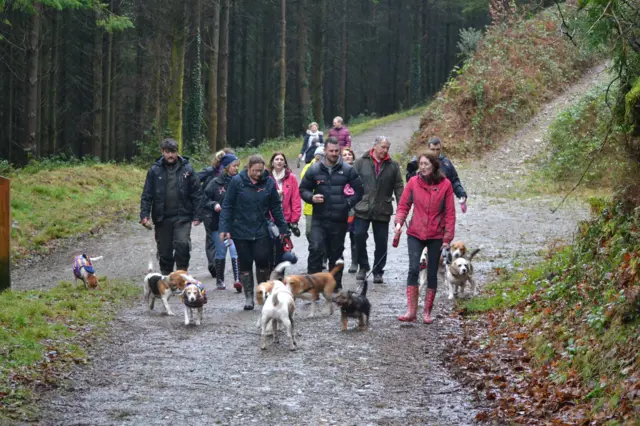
221, 249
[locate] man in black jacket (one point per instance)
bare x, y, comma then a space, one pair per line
382, 180
172, 197
435, 146
334, 188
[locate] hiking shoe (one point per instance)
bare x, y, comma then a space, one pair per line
362, 274
377, 278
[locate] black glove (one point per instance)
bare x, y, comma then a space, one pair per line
294, 229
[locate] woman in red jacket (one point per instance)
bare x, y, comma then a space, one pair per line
287, 186
432, 226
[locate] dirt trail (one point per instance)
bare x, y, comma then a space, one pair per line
153, 370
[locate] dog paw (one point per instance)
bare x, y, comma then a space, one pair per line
171, 314
186, 322
197, 322
293, 348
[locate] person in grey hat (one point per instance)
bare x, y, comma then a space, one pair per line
173, 199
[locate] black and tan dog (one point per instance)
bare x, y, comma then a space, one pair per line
353, 305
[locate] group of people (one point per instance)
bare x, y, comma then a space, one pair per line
252, 212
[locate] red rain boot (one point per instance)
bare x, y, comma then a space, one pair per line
428, 306
412, 304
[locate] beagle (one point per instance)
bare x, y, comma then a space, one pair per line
158, 286
458, 249
194, 297
83, 270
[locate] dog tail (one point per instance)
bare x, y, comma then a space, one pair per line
473, 253
278, 272
96, 258
338, 267
363, 293
150, 264
275, 300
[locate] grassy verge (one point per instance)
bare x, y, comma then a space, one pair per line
43, 333
515, 70
64, 201
560, 342
576, 141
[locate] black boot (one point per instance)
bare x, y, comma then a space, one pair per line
220, 274
262, 275
246, 278
353, 268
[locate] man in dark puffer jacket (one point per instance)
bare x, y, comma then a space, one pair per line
334, 188
172, 198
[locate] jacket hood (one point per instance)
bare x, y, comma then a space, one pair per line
339, 163
245, 175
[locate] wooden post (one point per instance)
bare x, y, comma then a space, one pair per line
5, 234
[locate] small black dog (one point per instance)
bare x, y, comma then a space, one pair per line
354, 305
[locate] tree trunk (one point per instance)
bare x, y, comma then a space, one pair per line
213, 78
244, 114
283, 69
176, 76
317, 61
55, 77
303, 73
97, 89
343, 64
106, 94
141, 87
114, 150
44, 92
195, 113
32, 80
223, 70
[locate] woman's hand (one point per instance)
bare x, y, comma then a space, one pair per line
300, 156
398, 227
224, 236
446, 246
218, 208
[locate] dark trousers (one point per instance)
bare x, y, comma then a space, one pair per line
173, 240
326, 236
250, 251
381, 239
210, 250
433, 259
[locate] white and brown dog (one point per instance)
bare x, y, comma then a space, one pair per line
83, 270
458, 249
278, 309
194, 297
158, 286
458, 273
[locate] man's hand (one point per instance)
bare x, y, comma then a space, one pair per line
225, 235
196, 223
218, 208
146, 223
318, 199
300, 156
463, 200
463, 204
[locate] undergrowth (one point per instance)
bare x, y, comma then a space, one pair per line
514, 71
44, 332
577, 314
576, 140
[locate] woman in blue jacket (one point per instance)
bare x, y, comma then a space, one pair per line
251, 202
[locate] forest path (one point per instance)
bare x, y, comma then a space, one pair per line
151, 369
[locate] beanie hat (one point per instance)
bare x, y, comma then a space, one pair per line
319, 151
227, 159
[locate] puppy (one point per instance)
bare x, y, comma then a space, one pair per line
354, 305
194, 297
278, 309
83, 270
309, 287
458, 274
458, 249
158, 286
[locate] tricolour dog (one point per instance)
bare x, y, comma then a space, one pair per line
309, 287
194, 297
158, 286
83, 270
278, 309
458, 249
354, 305
458, 273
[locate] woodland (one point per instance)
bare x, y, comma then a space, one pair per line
102, 78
